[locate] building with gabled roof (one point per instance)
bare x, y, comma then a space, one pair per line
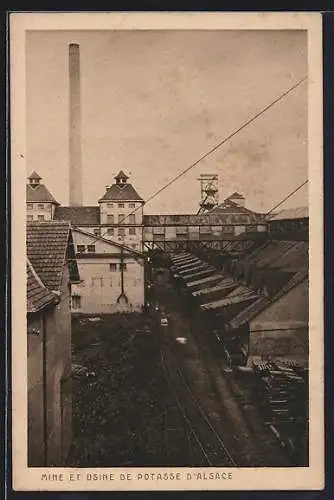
112, 276
101, 236
38, 296
41, 204
50, 248
51, 272
258, 304
289, 221
121, 190
236, 198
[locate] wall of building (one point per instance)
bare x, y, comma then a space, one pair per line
101, 285
58, 328
55, 330
48, 392
133, 209
282, 328
133, 241
35, 211
36, 448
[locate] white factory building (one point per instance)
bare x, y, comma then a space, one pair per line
108, 244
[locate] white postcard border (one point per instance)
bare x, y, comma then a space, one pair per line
30, 479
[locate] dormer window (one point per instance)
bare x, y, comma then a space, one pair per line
34, 179
121, 178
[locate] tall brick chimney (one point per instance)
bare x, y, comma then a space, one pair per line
76, 188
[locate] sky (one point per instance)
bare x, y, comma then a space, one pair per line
153, 102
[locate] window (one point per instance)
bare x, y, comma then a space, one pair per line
120, 218
41, 206
123, 266
110, 231
205, 229
97, 231
30, 218
112, 267
158, 237
132, 230
110, 219
227, 229
132, 219
40, 217
91, 248
181, 230
132, 205
134, 246
81, 248
121, 205
121, 231
30, 206
76, 302
110, 205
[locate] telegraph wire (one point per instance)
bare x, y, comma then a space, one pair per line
213, 149
232, 134
287, 197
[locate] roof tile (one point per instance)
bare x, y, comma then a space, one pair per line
47, 244
121, 192
39, 193
38, 296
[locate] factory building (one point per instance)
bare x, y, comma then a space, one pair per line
112, 276
41, 205
255, 298
108, 242
223, 223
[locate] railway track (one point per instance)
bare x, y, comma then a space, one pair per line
259, 447
209, 442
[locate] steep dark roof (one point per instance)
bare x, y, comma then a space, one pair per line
121, 192
258, 306
229, 207
38, 296
34, 175
289, 256
295, 259
78, 215
47, 246
39, 193
121, 175
236, 195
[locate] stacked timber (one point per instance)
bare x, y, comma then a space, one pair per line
282, 393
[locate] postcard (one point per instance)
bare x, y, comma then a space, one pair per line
167, 251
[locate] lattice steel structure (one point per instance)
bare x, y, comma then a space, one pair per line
209, 192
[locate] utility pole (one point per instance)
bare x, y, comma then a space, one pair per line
122, 298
